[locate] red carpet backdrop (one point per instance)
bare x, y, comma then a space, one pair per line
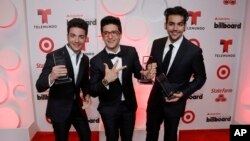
29, 29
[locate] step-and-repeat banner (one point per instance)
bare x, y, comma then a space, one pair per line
214, 25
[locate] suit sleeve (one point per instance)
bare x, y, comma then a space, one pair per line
96, 76
85, 86
137, 65
42, 83
199, 75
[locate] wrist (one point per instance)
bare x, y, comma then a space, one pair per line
105, 82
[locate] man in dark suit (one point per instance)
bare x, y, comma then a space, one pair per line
185, 60
111, 73
65, 81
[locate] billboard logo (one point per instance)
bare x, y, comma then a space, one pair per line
230, 25
44, 13
218, 119
223, 72
46, 45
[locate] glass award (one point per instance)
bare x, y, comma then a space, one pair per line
59, 59
148, 64
167, 89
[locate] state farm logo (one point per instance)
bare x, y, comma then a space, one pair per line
220, 94
194, 15
220, 98
188, 117
223, 72
44, 14
229, 2
225, 44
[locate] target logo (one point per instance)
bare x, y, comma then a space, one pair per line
223, 72
46, 45
195, 41
188, 117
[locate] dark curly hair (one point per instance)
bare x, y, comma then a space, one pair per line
178, 10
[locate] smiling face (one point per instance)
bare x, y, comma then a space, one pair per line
111, 37
175, 27
76, 38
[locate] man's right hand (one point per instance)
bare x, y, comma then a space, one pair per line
58, 71
112, 74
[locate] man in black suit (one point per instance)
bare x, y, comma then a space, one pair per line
111, 73
185, 60
65, 81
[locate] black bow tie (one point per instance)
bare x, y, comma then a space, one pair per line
111, 55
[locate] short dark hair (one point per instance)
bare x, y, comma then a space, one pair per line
78, 22
178, 10
111, 20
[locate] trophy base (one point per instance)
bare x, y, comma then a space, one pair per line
146, 81
63, 81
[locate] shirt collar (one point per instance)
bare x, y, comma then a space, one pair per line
71, 52
177, 43
108, 51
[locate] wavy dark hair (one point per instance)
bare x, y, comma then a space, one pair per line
178, 10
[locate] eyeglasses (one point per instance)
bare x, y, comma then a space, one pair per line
113, 33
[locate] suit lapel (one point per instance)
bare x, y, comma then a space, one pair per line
125, 57
69, 64
179, 55
80, 72
161, 50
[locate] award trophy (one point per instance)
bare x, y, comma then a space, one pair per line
167, 89
59, 59
149, 65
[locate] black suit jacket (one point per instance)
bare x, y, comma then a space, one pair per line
109, 98
62, 96
187, 63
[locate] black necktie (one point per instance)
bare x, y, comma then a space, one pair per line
111, 55
165, 63
77, 57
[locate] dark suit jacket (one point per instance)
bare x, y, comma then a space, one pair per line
61, 96
109, 98
188, 63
